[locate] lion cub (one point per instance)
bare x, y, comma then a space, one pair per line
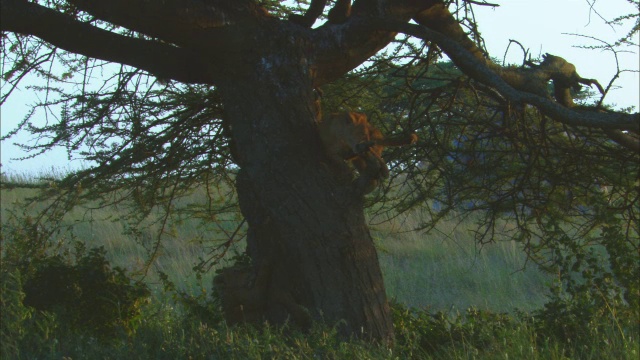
350, 137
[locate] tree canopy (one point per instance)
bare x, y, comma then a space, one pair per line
164, 98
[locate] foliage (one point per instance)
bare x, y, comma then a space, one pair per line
179, 324
201, 307
428, 333
580, 319
80, 288
20, 326
596, 282
483, 334
88, 295
169, 333
153, 143
567, 194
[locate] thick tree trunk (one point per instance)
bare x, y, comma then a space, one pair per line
313, 256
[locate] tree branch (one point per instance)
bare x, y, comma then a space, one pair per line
480, 71
186, 23
313, 13
626, 140
63, 31
342, 47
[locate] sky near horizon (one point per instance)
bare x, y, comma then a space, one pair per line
541, 26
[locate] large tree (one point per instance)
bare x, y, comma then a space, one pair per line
209, 88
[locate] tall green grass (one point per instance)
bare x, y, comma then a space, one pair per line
443, 271
446, 270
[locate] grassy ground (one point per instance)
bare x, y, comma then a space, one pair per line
445, 270
441, 271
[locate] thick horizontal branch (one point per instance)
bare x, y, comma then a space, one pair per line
626, 140
162, 60
181, 22
476, 69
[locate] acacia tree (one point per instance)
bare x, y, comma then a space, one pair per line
209, 88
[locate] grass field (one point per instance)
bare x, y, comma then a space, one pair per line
443, 270
440, 271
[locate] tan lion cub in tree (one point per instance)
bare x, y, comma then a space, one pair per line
350, 137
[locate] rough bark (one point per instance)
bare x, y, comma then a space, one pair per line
311, 250
313, 256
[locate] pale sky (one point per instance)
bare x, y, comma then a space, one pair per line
546, 26
542, 26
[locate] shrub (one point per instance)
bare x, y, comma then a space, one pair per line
89, 295
597, 286
421, 333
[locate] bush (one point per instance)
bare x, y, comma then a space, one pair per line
422, 333
596, 289
89, 295
79, 287
20, 326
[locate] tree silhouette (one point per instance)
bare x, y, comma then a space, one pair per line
167, 97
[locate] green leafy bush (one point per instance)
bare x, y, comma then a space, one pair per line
596, 285
19, 326
200, 307
88, 295
420, 332
79, 288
